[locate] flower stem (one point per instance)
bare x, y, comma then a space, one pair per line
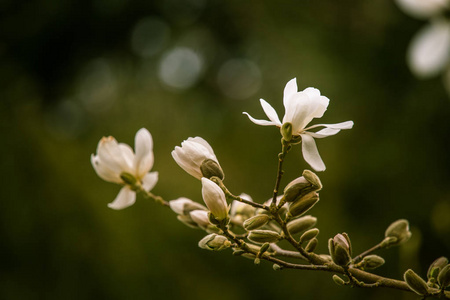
367, 252
285, 146
150, 195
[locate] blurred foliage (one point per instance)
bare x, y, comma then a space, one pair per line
74, 71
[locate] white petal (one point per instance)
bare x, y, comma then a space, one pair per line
311, 154
103, 171
200, 217
125, 198
214, 199
429, 50
178, 205
127, 154
299, 111
322, 101
203, 142
270, 112
144, 152
422, 9
260, 122
112, 155
149, 181
342, 125
323, 133
289, 90
185, 163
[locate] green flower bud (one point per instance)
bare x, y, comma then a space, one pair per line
372, 262
263, 248
415, 282
308, 235
297, 188
264, 236
128, 178
399, 230
311, 246
303, 204
210, 168
256, 222
338, 280
444, 277
276, 267
301, 224
214, 242
286, 131
340, 249
436, 267
313, 179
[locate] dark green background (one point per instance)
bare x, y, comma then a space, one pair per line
70, 76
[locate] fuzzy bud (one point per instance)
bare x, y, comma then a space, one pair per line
397, 233
311, 246
214, 242
444, 277
214, 199
286, 131
308, 235
264, 236
338, 280
256, 222
313, 179
303, 204
340, 249
301, 224
276, 267
415, 282
372, 262
436, 267
210, 168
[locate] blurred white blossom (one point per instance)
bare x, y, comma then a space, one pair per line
429, 52
116, 162
300, 109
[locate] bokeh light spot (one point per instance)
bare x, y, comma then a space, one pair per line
239, 78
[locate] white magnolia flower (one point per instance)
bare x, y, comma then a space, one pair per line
114, 159
192, 155
300, 109
423, 9
183, 206
429, 51
214, 199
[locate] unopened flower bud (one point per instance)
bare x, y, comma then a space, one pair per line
415, 282
436, 267
183, 206
313, 179
311, 246
340, 249
308, 235
444, 277
398, 230
276, 267
338, 280
128, 178
257, 261
263, 248
263, 236
297, 188
303, 204
372, 262
210, 168
286, 131
214, 242
214, 199
301, 224
201, 218
256, 222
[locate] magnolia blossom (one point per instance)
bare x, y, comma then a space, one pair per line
429, 51
300, 109
115, 161
214, 199
193, 154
